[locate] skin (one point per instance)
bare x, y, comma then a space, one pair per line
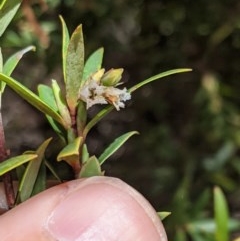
96, 208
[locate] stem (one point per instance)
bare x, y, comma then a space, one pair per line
72, 134
7, 178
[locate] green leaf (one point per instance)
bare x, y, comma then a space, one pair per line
46, 95
32, 98
181, 235
8, 9
65, 43
91, 168
163, 215
40, 183
85, 153
52, 170
115, 145
1, 61
2, 3
74, 68
61, 103
158, 76
14, 162
70, 153
97, 118
209, 225
221, 215
93, 63
13, 60
31, 173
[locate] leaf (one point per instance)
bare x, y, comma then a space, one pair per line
61, 104
163, 215
209, 225
70, 153
91, 168
158, 76
93, 64
8, 9
46, 95
51, 169
40, 183
85, 154
181, 235
115, 145
74, 68
2, 3
14, 162
12, 62
65, 43
97, 118
31, 173
1, 61
32, 98
221, 215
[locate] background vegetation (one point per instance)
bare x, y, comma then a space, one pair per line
189, 123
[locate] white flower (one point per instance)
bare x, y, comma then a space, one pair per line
93, 92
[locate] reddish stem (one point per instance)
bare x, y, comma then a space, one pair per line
7, 178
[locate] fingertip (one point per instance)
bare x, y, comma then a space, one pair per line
97, 208
108, 208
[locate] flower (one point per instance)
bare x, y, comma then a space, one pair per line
94, 92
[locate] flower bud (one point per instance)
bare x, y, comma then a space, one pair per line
98, 75
112, 77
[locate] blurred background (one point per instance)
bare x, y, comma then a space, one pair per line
189, 123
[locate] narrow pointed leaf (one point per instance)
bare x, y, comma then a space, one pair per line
47, 96
85, 154
221, 215
61, 103
209, 225
91, 168
163, 215
41, 181
32, 98
1, 61
158, 76
93, 63
12, 61
97, 118
52, 170
2, 3
31, 173
8, 9
113, 147
65, 42
74, 67
70, 153
14, 162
